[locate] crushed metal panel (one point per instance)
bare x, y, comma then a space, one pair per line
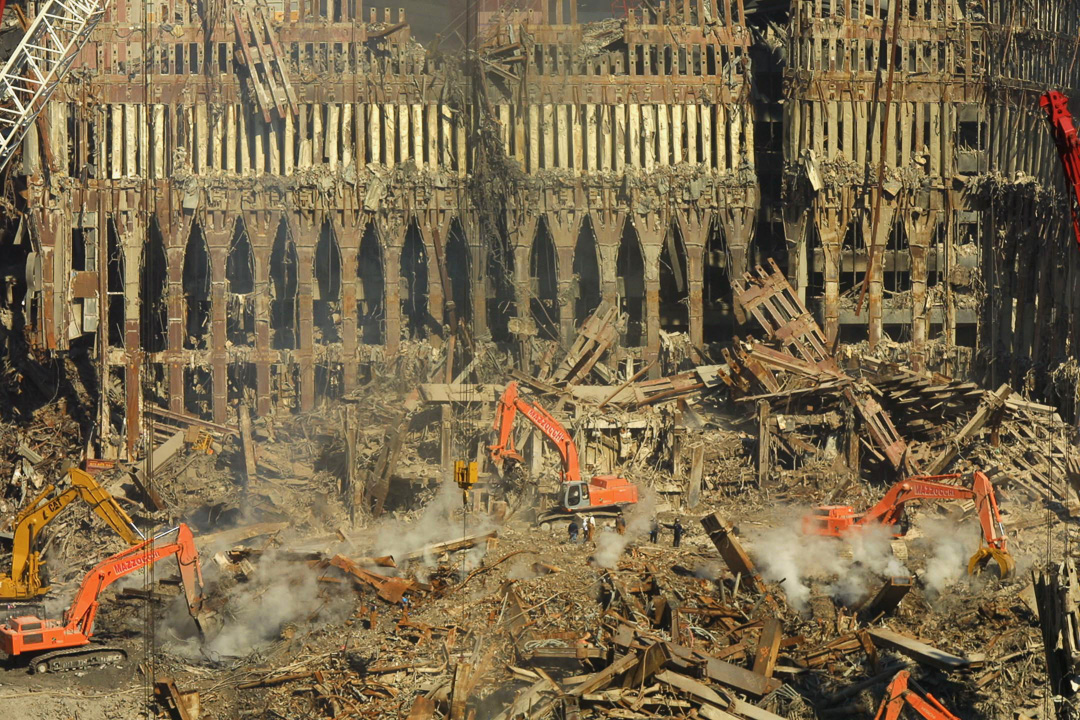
84, 284
774, 303
776, 306
888, 597
595, 336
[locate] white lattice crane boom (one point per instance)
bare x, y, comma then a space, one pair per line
39, 64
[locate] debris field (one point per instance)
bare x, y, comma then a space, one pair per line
539, 359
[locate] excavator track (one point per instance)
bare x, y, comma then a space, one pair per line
556, 515
87, 656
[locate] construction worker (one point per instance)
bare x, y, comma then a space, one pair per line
620, 524
573, 530
677, 529
654, 531
590, 527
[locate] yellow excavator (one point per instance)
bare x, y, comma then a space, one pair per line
25, 581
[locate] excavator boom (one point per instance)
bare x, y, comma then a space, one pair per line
837, 520
898, 694
1056, 106
602, 491
927, 487
24, 581
509, 405
79, 618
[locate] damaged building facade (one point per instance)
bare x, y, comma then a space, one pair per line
262, 201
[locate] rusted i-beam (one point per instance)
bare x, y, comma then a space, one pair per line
876, 215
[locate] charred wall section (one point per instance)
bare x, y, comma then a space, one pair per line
282, 200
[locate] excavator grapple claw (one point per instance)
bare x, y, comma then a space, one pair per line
1005, 562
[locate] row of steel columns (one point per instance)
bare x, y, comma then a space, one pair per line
219, 227
832, 218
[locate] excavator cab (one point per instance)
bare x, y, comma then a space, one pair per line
576, 495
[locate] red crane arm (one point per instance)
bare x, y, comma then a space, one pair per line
80, 616
897, 695
889, 509
987, 508
509, 405
505, 414
1056, 106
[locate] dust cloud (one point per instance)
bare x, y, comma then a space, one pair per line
439, 522
787, 556
950, 545
280, 592
610, 545
853, 566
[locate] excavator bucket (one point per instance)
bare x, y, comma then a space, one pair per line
1006, 564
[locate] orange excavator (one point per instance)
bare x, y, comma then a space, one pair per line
838, 520
602, 492
65, 644
898, 694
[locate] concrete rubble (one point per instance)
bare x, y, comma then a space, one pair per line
271, 268
349, 580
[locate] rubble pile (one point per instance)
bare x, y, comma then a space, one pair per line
348, 575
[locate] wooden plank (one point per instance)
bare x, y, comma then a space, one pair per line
752, 711
714, 713
764, 452
991, 403
290, 94
731, 550
691, 687
261, 54
697, 470
603, 678
768, 647
260, 92
230, 538
437, 549
185, 704
459, 690
918, 651
888, 597
726, 673
423, 709
740, 678
651, 661
247, 444
527, 701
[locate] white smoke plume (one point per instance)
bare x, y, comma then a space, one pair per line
950, 545
610, 545
439, 522
785, 555
523, 568
278, 593
852, 566
871, 559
